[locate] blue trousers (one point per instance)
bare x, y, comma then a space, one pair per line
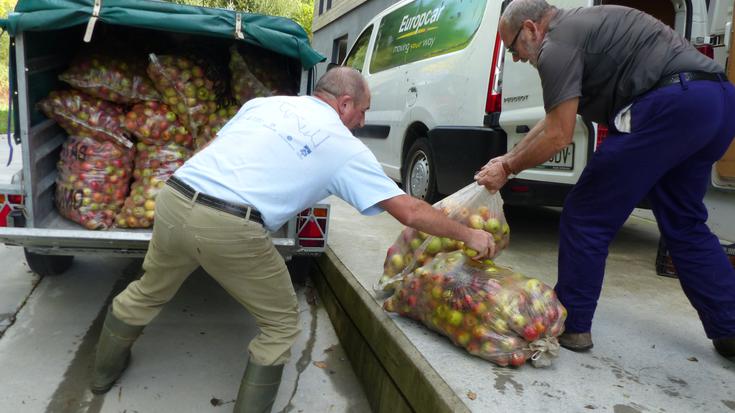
677, 133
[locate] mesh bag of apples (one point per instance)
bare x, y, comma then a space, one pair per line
154, 123
492, 312
86, 116
154, 164
114, 79
245, 85
215, 122
92, 182
473, 206
185, 88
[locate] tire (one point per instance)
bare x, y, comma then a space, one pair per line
46, 265
419, 174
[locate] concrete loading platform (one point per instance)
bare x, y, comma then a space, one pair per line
650, 354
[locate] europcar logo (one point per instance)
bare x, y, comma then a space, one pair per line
416, 23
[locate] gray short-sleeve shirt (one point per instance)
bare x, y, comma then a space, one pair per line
608, 55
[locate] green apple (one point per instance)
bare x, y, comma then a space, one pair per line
455, 317
475, 221
492, 225
434, 245
448, 244
397, 261
415, 243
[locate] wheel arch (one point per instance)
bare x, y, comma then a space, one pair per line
414, 132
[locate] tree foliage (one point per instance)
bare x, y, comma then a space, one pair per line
6, 6
301, 11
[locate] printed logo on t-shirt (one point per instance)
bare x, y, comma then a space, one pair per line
301, 135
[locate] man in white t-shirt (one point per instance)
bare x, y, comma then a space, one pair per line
276, 157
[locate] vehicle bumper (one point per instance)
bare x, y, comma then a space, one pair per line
459, 152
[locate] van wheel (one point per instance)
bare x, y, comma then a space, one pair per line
45, 265
419, 175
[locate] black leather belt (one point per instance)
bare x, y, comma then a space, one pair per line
216, 203
677, 78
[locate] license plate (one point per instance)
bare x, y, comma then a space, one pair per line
562, 160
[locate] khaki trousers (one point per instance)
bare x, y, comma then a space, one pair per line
237, 253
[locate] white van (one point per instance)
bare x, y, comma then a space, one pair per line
446, 96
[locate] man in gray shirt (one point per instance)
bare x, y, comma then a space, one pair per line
669, 110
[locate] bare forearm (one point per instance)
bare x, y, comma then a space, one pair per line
422, 216
531, 136
536, 151
432, 221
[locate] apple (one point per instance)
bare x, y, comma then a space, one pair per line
455, 317
500, 326
475, 221
448, 244
415, 243
517, 359
493, 226
434, 245
463, 338
397, 262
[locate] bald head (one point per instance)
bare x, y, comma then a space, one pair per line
519, 11
342, 81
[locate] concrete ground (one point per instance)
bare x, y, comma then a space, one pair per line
189, 359
650, 351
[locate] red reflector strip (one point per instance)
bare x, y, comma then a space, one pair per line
601, 135
320, 212
2, 199
311, 230
311, 243
707, 50
494, 96
15, 199
4, 212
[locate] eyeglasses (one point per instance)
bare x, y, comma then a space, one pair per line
510, 48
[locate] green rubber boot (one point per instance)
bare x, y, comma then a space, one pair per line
258, 388
113, 352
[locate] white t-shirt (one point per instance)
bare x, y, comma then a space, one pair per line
284, 154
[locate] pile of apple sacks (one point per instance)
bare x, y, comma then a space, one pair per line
153, 110
491, 311
93, 181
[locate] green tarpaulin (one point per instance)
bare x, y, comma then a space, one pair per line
274, 33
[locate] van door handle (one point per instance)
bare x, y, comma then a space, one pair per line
522, 129
412, 89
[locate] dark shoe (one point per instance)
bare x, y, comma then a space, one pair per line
258, 388
725, 346
576, 341
113, 352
